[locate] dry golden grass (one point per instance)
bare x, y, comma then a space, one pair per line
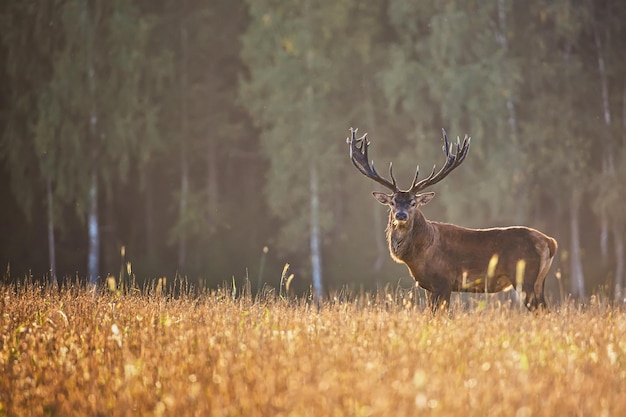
69, 353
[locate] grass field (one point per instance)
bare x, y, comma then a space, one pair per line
69, 353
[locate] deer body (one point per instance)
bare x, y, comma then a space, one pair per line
440, 267
443, 257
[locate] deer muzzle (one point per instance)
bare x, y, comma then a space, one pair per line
401, 217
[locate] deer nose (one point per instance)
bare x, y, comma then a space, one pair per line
402, 216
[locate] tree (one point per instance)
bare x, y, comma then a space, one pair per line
205, 128
608, 42
30, 39
556, 147
90, 113
304, 59
450, 70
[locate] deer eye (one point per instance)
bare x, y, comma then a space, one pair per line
413, 203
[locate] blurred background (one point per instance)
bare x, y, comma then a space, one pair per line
206, 139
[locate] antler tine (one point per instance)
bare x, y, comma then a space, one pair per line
453, 160
360, 159
395, 185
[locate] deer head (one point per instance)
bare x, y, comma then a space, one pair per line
403, 203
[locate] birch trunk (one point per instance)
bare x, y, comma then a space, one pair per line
212, 181
316, 255
93, 257
149, 218
503, 41
51, 248
608, 167
576, 268
619, 266
184, 196
184, 163
619, 231
379, 221
94, 231
501, 38
315, 232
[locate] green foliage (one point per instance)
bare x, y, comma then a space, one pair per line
556, 139
28, 50
448, 70
96, 80
301, 78
271, 90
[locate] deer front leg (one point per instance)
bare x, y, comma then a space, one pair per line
438, 299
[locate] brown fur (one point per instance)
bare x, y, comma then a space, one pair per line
443, 257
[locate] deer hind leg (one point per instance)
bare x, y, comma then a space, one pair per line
528, 296
537, 300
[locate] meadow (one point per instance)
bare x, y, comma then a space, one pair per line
73, 352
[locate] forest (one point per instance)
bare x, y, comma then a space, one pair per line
206, 140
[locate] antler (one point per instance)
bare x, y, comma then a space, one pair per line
359, 157
453, 160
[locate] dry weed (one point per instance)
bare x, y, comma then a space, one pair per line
70, 353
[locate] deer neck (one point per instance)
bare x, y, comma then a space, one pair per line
409, 239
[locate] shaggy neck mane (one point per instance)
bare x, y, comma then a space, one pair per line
416, 233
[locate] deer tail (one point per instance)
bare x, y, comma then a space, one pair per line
553, 246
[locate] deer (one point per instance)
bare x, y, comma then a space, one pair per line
443, 257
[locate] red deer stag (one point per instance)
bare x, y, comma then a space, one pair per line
444, 257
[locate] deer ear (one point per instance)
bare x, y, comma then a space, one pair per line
382, 198
423, 199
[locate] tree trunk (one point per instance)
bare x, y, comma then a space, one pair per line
109, 240
503, 41
316, 255
378, 221
619, 265
576, 268
184, 196
93, 257
517, 182
604, 237
51, 249
94, 231
608, 167
618, 232
184, 163
149, 218
212, 182
382, 252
